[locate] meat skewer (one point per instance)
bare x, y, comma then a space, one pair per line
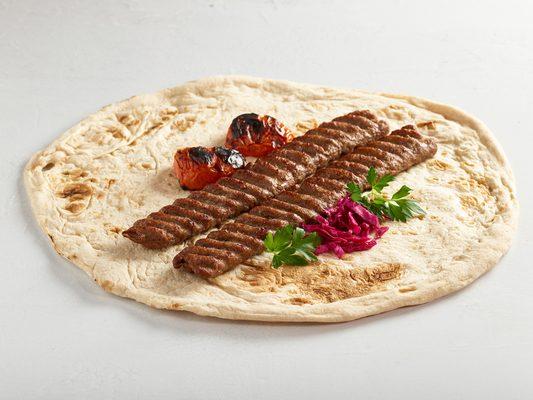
241, 239
263, 179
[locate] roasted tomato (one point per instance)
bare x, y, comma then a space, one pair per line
257, 135
196, 167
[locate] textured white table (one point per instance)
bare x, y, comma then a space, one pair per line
62, 337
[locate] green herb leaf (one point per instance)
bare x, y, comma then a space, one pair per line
371, 176
295, 259
396, 212
309, 256
382, 183
306, 244
281, 238
269, 241
291, 246
276, 261
297, 235
355, 191
402, 192
411, 207
397, 208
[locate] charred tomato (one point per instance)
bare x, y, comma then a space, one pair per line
196, 167
256, 135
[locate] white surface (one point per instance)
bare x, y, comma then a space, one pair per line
62, 337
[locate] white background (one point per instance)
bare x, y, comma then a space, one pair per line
62, 337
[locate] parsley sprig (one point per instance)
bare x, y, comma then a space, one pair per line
291, 246
397, 208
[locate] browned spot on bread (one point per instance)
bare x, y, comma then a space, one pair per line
468, 201
106, 285
406, 289
438, 165
320, 283
183, 124
74, 207
48, 166
476, 196
299, 301
167, 114
304, 126
426, 124
77, 197
76, 173
153, 128
383, 273
72, 189
76, 193
128, 120
117, 134
261, 276
111, 229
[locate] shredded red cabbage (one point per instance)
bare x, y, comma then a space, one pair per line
345, 228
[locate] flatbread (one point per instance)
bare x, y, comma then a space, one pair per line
114, 167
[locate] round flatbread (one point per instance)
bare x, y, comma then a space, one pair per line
114, 167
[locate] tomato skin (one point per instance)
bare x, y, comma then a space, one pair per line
196, 167
248, 135
257, 135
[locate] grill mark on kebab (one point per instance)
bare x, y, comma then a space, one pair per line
403, 141
246, 240
265, 178
297, 170
341, 139
182, 222
196, 217
302, 212
217, 213
246, 229
391, 148
257, 179
269, 212
302, 200
311, 149
245, 200
328, 147
330, 183
253, 190
220, 255
268, 169
218, 244
320, 193
390, 155
216, 200
171, 228
261, 222
297, 157
351, 167
341, 175
288, 167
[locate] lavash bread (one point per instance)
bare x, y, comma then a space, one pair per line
114, 167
